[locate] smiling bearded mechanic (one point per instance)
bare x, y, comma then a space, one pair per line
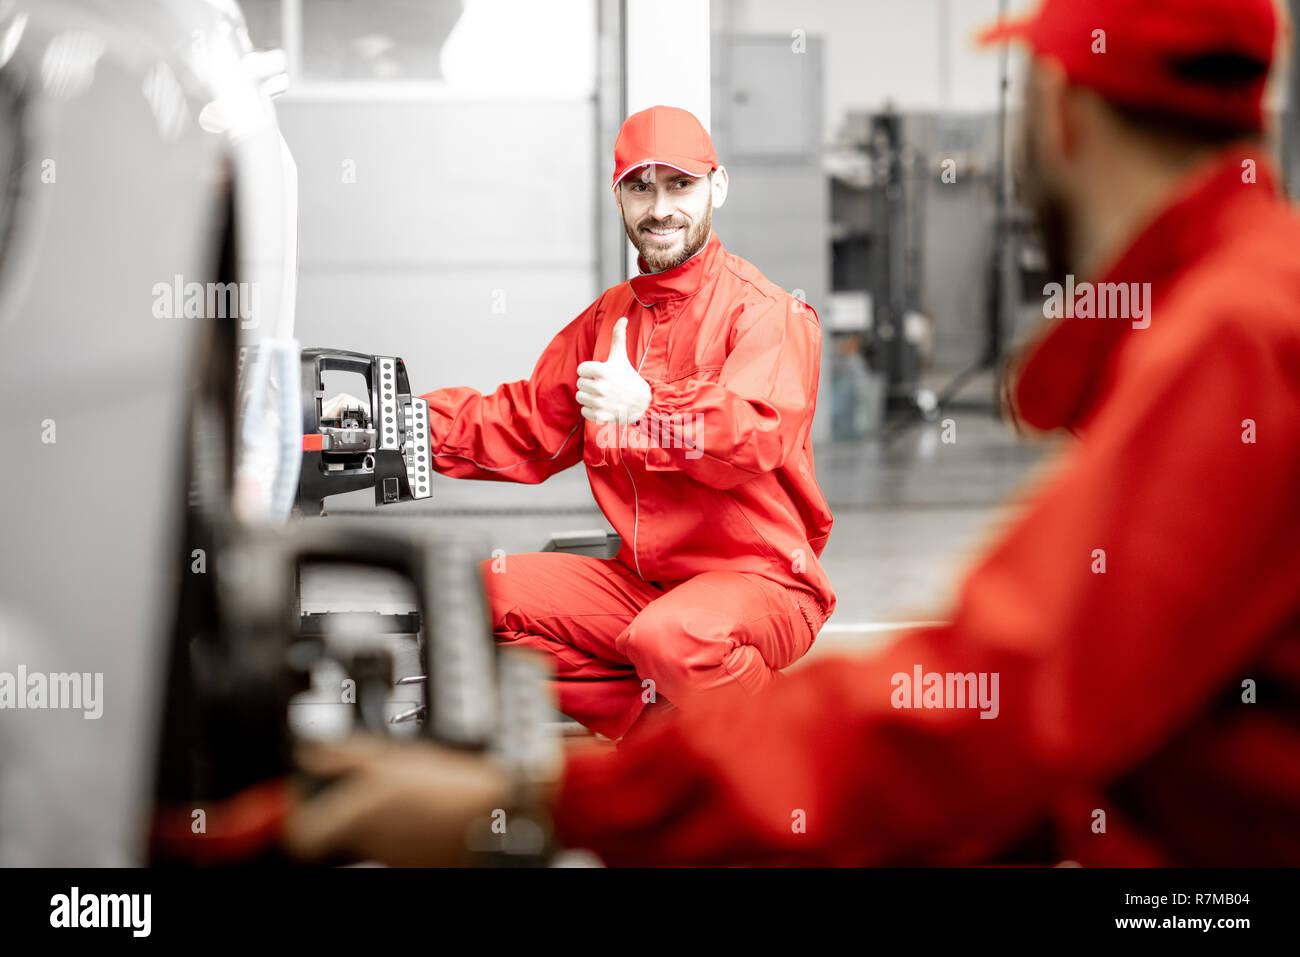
1142, 612
688, 392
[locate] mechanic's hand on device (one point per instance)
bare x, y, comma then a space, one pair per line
613, 391
402, 803
331, 407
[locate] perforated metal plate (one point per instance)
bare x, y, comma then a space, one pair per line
418, 458
386, 385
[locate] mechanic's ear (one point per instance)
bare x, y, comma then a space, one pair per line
719, 186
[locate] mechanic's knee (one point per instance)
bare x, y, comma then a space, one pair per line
681, 657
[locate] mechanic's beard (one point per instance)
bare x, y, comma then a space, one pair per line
1053, 219
1054, 229
1049, 211
660, 259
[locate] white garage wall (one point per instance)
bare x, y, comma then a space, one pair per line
919, 54
460, 246
449, 176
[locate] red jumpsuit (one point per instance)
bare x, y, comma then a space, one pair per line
718, 582
1149, 713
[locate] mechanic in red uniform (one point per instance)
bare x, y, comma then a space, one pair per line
1142, 614
688, 393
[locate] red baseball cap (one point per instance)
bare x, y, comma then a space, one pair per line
665, 136
1204, 60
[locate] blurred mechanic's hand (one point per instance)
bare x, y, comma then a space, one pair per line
612, 391
331, 407
402, 803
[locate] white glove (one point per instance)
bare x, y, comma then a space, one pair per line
331, 407
612, 391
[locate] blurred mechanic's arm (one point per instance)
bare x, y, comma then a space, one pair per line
404, 803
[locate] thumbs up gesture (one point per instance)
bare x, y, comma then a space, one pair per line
612, 391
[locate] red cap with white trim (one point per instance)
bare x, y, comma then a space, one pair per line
664, 136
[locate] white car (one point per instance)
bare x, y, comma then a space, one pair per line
142, 166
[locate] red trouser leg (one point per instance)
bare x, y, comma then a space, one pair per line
718, 631
607, 631
573, 608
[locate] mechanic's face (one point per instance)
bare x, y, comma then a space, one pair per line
667, 213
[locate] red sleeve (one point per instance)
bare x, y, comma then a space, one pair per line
525, 431
1096, 671
749, 421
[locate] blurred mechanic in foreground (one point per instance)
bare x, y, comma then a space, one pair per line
1142, 617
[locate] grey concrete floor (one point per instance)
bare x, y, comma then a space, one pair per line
911, 511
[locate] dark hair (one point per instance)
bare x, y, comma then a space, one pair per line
1177, 130
1223, 68
1226, 70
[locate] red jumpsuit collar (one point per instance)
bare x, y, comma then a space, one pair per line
1061, 379
680, 282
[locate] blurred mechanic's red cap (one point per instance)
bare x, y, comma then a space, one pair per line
666, 136
1203, 60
